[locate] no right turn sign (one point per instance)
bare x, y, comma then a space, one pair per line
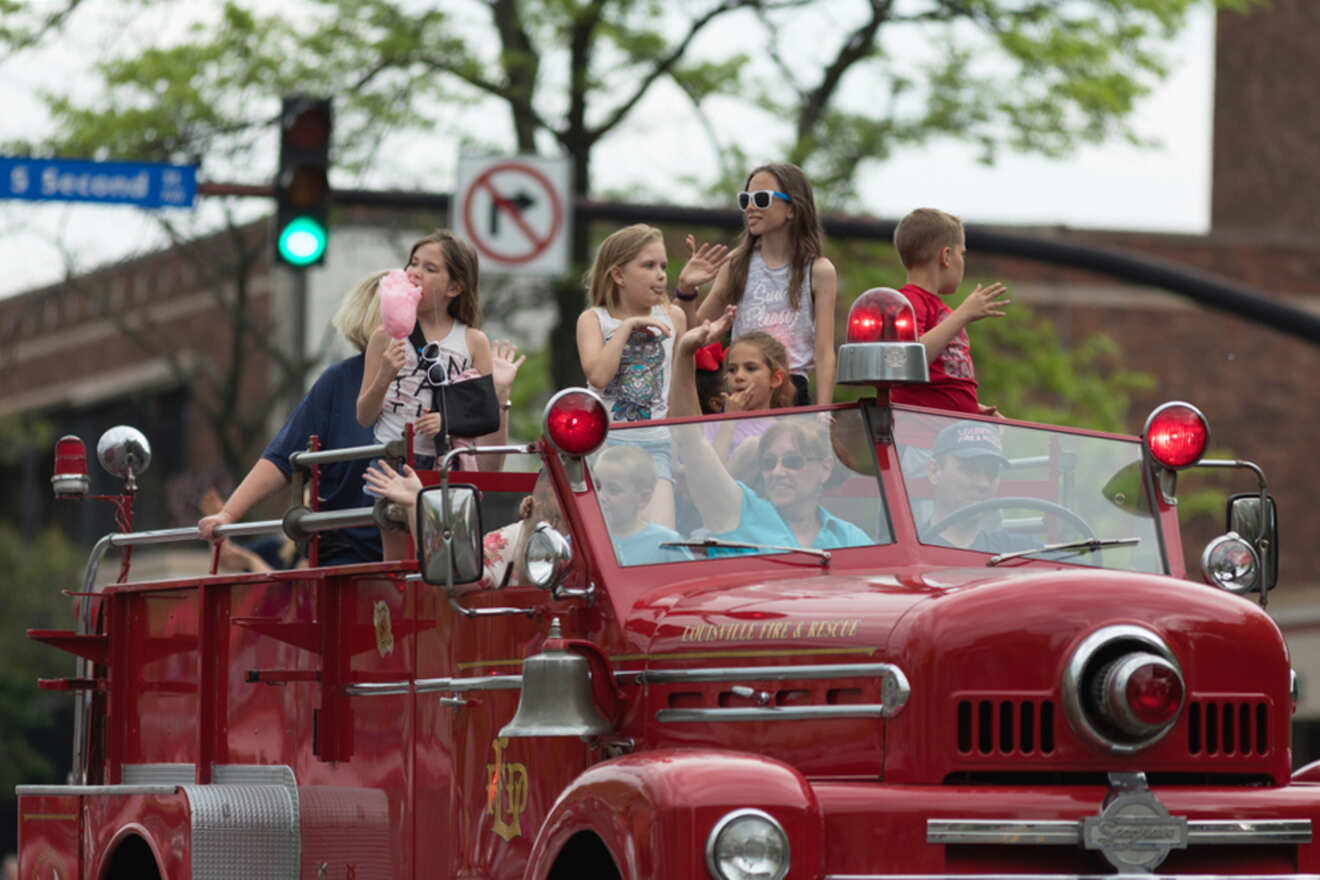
516, 212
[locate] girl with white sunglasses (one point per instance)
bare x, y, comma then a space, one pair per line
775, 275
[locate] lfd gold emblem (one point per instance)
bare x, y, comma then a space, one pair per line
506, 792
380, 616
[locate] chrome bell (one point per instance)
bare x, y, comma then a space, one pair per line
556, 697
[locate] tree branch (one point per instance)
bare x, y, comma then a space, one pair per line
666, 63
859, 45
53, 22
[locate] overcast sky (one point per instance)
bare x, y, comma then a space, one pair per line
1113, 187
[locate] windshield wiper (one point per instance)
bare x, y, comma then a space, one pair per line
1084, 545
740, 545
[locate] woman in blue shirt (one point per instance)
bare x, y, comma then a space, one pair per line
794, 460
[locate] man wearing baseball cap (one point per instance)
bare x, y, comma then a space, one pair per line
964, 468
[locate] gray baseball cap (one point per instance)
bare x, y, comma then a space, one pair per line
969, 439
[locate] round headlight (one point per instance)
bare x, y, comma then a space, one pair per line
547, 556
747, 845
1229, 562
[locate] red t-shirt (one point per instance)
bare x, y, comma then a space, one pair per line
952, 379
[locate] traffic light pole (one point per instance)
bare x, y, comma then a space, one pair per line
1204, 288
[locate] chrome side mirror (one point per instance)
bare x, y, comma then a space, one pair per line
449, 534
1259, 526
547, 557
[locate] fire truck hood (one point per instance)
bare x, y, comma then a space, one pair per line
814, 614
859, 613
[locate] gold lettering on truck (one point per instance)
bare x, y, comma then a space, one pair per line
506, 792
771, 630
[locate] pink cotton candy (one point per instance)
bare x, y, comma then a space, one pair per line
398, 303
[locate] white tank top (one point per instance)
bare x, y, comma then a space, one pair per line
764, 307
639, 391
408, 396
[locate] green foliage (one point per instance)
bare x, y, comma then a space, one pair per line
1025, 370
37, 571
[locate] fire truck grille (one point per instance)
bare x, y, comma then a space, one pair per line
1223, 727
1005, 726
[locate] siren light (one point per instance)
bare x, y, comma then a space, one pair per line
1176, 435
882, 348
882, 314
576, 421
70, 477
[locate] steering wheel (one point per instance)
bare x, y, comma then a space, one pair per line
1013, 503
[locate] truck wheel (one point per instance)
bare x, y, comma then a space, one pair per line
584, 856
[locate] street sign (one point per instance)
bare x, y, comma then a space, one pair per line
515, 211
145, 184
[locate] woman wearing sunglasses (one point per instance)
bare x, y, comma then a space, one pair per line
775, 275
794, 459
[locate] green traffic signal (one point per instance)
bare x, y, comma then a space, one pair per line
302, 182
302, 241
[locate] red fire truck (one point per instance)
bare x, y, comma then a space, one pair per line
874, 641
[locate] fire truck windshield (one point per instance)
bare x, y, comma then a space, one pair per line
1011, 491
773, 482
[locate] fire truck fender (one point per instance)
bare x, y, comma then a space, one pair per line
654, 812
1308, 773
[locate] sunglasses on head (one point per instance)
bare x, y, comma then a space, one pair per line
761, 198
793, 461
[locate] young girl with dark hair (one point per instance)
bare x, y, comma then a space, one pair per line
445, 346
776, 275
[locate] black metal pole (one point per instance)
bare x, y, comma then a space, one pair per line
1209, 290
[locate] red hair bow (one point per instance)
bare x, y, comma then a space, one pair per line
709, 357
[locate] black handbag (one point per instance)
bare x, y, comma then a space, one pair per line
468, 408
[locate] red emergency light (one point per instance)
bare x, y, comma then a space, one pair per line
576, 422
1154, 693
70, 477
882, 314
882, 348
1137, 695
1176, 435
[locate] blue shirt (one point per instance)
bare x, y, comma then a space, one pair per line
329, 410
642, 547
759, 522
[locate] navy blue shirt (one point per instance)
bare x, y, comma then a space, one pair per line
329, 410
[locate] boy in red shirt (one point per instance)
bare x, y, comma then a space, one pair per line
932, 246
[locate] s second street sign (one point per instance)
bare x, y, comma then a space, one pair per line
145, 184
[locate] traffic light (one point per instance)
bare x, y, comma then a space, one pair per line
302, 186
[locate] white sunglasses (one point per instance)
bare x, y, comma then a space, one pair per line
761, 198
